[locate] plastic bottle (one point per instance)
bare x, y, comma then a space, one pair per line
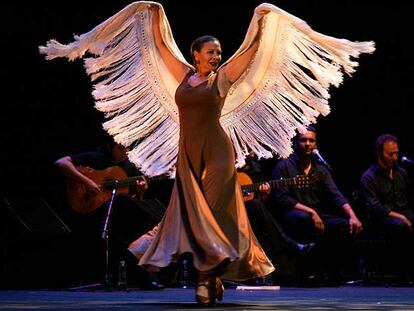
122, 279
185, 280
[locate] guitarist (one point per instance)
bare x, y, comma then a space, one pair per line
130, 217
275, 242
319, 213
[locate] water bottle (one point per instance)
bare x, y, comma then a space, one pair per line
185, 276
122, 282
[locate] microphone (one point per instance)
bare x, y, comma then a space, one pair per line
406, 160
316, 153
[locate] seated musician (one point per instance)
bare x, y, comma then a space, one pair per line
318, 213
131, 215
270, 234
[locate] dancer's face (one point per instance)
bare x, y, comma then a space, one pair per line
209, 57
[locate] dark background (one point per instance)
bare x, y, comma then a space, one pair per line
47, 108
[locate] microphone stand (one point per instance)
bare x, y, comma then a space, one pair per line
327, 166
105, 236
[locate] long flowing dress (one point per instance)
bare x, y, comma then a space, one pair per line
206, 215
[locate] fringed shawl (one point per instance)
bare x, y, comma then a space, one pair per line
284, 89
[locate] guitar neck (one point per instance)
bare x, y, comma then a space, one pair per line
130, 181
111, 184
273, 184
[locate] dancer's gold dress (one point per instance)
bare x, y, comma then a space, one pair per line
206, 214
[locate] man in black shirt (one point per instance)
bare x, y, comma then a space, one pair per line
131, 215
318, 212
387, 193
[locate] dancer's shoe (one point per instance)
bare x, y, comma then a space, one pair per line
206, 292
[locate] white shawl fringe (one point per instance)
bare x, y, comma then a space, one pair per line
284, 89
300, 65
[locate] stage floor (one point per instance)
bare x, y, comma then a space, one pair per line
339, 298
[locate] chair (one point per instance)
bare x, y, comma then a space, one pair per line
374, 268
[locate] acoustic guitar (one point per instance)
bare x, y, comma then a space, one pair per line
249, 188
114, 177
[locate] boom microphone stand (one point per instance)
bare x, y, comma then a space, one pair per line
105, 236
